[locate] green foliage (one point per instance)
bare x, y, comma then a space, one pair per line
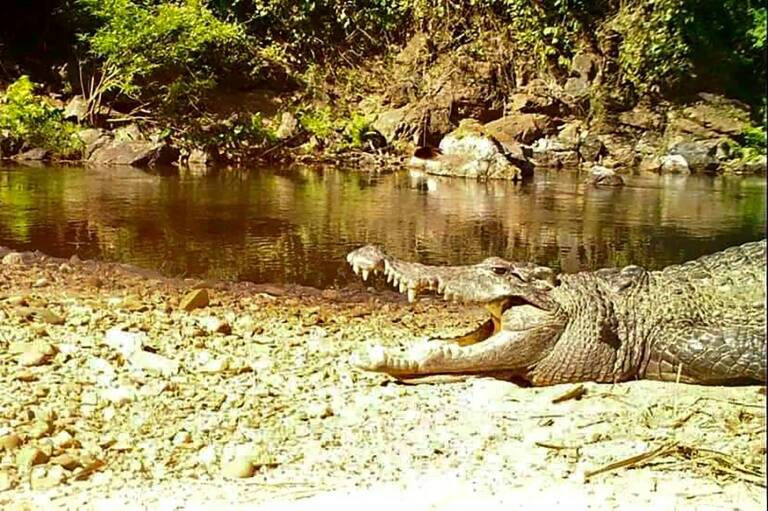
715, 43
27, 117
318, 122
168, 53
653, 50
755, 138
356, 128
232, 138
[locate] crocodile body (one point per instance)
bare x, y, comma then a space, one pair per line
701, 322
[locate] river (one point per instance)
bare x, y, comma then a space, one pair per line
295, 226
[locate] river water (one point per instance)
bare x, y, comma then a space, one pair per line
280, 226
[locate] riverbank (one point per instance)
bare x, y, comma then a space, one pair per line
124, 389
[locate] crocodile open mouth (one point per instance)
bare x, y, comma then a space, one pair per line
413, 280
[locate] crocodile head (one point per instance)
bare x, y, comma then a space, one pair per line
517, 296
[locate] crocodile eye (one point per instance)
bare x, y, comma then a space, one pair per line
500, 270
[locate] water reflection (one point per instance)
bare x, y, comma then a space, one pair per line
278, 226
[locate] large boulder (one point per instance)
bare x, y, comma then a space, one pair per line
470, 152
700, 156
76, 109
523, 128
130, 147
93, 139
34, 154
602, 176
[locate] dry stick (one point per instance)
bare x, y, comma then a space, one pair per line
633, 460
575, 393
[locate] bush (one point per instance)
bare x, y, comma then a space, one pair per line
169, 54
28, 118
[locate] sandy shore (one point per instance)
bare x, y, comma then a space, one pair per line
113, 396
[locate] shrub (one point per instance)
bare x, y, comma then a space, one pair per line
29, 118
169, 53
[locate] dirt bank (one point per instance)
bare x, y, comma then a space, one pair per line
114, 396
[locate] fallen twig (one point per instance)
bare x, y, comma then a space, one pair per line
633, 460
575, 393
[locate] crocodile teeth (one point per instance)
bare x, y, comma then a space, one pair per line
403, 286
365, 273
411, 294
390, 276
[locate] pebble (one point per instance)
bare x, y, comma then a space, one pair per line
51, 317
238, 468
6, 480
154, 363
45, 479
40, 428
32, 358
126, 343
13, 258
194, 299
181, 438
17, 301
215, 366
119, 395
41, 282
216, 326
9, 441
63, 440
30, 456
67, 461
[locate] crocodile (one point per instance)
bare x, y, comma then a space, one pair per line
700, 322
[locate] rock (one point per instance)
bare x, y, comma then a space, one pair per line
719, 114
289, 126
130, 148
42, 479
650, 164
591, 148
63, 440
30, 456
700, 157
181, 438
576, 86
9, 441
32, 359
550, 152
523, 128
602, 176
390, 123
39, 429
194, 299
531, 102
239, 468
13, 258
118, 395
468, 152
215, 325
7, 481
154, 363
35, 154
674, 164
215, 366
620, 149
76, 109
642, 118
585, 65
125, 343
199, 158
93, 139
41, 282
67, 461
